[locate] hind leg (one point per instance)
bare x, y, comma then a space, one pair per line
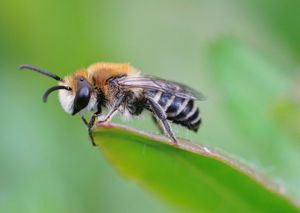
155, 120
161, 117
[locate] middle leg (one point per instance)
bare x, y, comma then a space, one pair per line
120, 100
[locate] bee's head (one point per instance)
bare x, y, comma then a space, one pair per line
75, 92
80, 95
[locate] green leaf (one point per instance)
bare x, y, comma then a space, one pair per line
191, 177
253, 87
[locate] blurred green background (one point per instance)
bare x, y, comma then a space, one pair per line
243, 55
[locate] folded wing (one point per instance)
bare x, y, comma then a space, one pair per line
154, 83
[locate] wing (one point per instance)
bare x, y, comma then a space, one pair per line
154, 83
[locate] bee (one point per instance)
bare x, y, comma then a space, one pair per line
120, 88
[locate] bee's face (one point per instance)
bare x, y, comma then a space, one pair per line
75, 92
80, 98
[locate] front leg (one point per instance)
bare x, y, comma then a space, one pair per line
120, 100
90, 126
84, 121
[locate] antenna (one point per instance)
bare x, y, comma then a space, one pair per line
47, 93
39, 70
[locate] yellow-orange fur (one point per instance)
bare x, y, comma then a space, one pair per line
97, 75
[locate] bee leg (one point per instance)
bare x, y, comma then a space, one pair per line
168, 131
90, 126
89, 129
157, 124
162, 118
114, 109
84, 121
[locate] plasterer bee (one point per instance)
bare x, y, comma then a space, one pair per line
121, 88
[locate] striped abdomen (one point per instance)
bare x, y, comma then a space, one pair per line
179, 110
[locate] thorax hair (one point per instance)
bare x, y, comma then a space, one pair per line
98, 74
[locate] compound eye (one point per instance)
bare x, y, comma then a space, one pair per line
82, 97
